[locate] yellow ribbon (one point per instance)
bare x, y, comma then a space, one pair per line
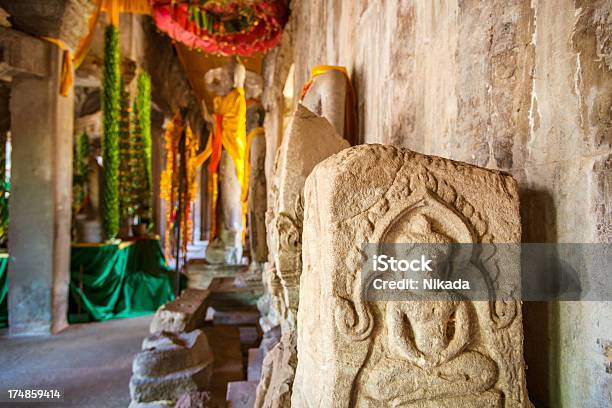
350, 115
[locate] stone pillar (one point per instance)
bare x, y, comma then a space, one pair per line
257, 201
40, 204
309, 140
402, 352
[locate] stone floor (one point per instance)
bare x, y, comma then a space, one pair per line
92, 362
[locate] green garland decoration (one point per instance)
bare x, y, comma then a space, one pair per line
5, 187
81, 172
126, 209
142, 117
110, 148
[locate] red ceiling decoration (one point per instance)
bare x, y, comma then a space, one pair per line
225, 27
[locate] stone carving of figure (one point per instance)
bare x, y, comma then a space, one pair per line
226, 247
419, 353
427, 339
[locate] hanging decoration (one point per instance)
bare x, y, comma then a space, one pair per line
80, 171
126, 209
111, 90
135, 185
225, 27
179, 192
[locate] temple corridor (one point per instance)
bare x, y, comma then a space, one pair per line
306, 203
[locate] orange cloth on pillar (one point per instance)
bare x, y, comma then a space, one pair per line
67, 73
229, 132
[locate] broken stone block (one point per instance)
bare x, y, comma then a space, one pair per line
327, 97
169, 365
380, 354
166, 352
241, 394
170, 386
184, 314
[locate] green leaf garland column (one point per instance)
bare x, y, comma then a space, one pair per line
110, 153
81, 172
142, 116
125, 156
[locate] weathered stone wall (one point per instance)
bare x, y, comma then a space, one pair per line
523, 86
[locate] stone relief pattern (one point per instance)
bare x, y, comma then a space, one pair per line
479, 328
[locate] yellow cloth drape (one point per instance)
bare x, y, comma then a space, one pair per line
114, 7
229, 132
72, 60
350, 115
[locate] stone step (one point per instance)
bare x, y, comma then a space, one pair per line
256, 356
228, 365
249, 337
241, 394
240, 317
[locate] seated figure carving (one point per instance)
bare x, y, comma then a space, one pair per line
428, 340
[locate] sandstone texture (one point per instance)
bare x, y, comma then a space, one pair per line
380, 354
327, 98
278, 373
170, 365
309, 139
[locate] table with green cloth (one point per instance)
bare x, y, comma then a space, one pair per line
112, 281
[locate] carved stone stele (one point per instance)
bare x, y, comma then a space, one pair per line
309, 139
402, 353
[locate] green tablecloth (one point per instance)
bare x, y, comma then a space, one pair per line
109, 281
117, 281
3, 291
